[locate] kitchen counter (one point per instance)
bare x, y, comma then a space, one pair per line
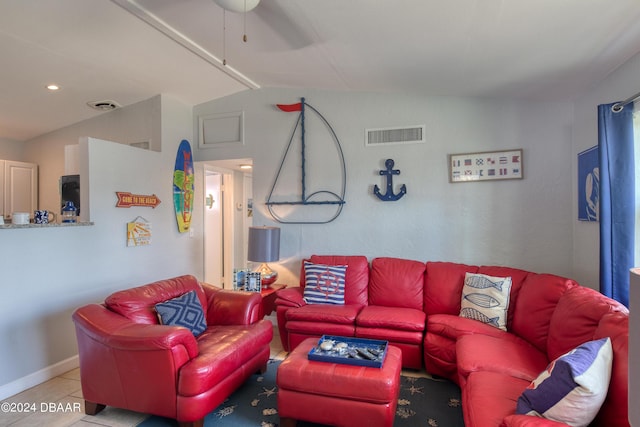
50, 225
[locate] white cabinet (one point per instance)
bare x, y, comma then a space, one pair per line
19, 189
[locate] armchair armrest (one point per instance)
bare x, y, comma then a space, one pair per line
234, 307
121, 360
529, 421
290, 297
114, 331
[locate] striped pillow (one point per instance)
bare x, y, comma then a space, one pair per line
573, 387
324, 284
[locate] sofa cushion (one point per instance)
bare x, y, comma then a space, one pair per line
185, 311
517, 279
575, 319
486, 299
443, 330
573, 387
341, 314
539, 294
138, 304
403, 319
356, 279
443, 287
223, 350
324, 284
489, 397
508, 354
397, 282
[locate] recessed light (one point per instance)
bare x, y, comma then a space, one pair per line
245, 166
53, 87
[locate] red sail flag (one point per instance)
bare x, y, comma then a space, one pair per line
126, 200
289, 108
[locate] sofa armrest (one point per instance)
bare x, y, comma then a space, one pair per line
290, 297
234, 308
529, 421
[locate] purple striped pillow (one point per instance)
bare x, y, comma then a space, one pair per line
573, 387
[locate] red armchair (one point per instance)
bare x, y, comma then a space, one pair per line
128, 360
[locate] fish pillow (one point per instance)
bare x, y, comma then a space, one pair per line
486, 299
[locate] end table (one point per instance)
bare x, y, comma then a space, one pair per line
269, 297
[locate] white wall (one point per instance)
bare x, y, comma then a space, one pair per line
135, 123
48, 272
521, 223
11, 150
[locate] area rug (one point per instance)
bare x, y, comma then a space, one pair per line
422, 402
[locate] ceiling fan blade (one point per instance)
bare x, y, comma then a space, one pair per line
284, 25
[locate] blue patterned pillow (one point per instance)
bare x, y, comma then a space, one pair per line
324, 284
573, 387
184, 310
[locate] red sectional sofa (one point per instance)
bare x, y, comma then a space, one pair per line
128, 360
416, 306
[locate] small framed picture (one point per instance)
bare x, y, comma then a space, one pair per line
253, 282
485, 166
239, 278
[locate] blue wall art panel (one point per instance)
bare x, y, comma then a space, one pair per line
588, 185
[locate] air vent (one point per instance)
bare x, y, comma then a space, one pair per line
104, 105
395, 135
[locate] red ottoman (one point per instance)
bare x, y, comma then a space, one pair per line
337, 394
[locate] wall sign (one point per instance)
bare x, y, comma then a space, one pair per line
138, 232
126, 200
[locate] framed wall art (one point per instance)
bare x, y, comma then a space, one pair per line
589, 185
485, 166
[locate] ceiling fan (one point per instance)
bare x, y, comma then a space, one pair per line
273, 15
238, 6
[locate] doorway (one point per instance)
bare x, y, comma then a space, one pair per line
226, 219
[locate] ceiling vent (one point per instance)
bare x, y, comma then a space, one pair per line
395, 135
104, 105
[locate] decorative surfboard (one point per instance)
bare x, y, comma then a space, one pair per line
183, 180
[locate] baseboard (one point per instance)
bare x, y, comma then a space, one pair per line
31, 380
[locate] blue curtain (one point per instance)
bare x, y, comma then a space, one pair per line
617, 200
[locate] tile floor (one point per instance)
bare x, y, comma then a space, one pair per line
58, 403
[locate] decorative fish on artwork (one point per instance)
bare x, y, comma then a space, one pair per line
471, 313
482, 300
480, 282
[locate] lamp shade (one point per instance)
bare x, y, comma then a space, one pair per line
264, 244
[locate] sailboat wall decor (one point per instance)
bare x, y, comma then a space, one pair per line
322, 178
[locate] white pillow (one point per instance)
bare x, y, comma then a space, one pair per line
573, 387
486, 298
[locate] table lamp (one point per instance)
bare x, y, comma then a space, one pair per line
264, 247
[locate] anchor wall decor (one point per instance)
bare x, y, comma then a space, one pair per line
389, 172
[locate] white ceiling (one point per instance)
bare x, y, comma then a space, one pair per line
131, 50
